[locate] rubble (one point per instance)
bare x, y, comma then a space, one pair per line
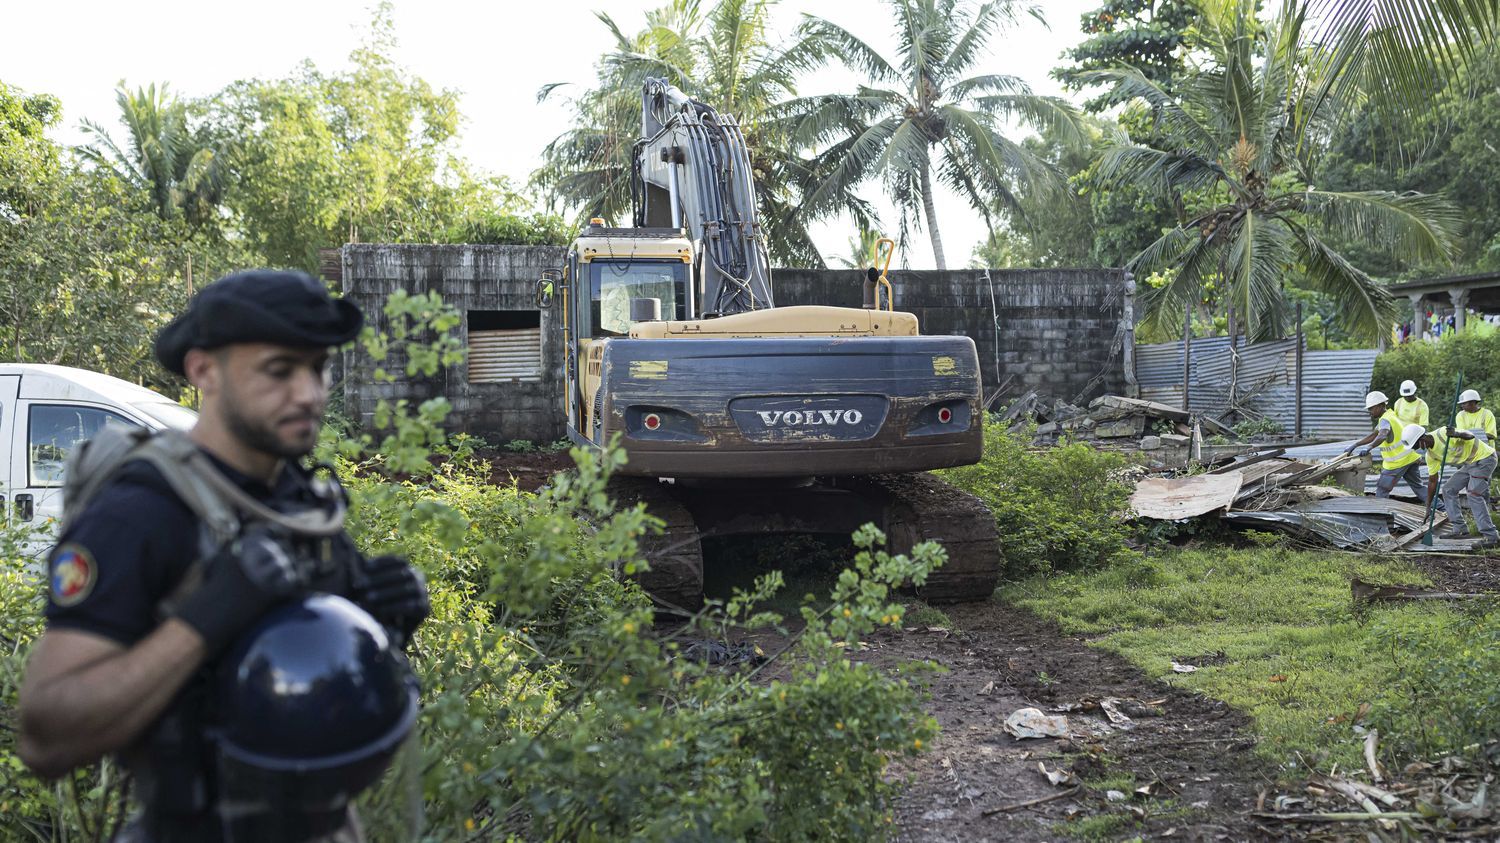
1271, 492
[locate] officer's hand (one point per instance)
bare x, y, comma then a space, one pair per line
393, 592
247, 577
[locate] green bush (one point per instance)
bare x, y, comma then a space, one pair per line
1056, 508
1447, 699
1435, 368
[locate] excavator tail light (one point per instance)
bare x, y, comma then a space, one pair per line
945, 415
651, 422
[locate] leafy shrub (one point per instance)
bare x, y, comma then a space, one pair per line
1435, 368
1251, 428
1056, 508
1447, 699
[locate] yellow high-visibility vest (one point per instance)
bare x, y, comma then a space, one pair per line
1394, 454
1465, 452
1412, 411
1484, 420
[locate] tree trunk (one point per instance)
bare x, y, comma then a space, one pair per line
931, 210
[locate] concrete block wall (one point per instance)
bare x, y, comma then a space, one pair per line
468, 278
1059, 328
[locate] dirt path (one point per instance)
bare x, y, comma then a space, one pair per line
1196, 756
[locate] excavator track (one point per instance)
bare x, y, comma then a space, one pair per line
910, 508
923, 507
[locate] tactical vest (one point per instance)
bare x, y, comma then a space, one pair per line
175, 772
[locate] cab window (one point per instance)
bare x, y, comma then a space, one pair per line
615, 283
55, 429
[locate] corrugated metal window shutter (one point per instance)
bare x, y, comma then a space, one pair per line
505, 355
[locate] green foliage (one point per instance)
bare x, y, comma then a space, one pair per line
489, 226
182, 171
1249, 139
1148, 35
1435, 367
84, 802
1447, 701
364, 155
1445, 149
1251, 428
1057, 509
551, 705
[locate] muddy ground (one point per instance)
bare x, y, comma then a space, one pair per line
1196, 756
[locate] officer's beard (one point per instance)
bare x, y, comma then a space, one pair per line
263, 436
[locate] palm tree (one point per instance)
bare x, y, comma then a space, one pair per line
921, 113
725, 57
1400, 52
184, 176
1239, 146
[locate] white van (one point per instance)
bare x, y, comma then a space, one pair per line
45, 411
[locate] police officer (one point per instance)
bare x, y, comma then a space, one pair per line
139, 607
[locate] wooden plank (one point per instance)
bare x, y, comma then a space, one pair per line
1184, 497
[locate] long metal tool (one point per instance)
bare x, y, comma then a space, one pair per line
1443, 464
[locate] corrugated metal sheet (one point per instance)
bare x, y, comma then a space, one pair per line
1333, 382
503, 356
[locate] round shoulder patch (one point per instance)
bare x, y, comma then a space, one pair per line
73, 575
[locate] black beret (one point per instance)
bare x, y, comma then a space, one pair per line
261, 306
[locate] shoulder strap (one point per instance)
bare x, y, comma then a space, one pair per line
220, 505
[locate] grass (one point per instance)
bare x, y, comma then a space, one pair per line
1295, 655
920, 614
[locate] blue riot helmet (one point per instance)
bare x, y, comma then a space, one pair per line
311, 705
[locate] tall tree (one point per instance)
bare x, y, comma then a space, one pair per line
726, 57
367, 154
1149, 35
183, 172
923, 120
1249, 133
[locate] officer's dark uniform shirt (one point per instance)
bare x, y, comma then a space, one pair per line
111, 570
134, 542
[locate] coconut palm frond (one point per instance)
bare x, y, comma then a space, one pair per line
1425, 227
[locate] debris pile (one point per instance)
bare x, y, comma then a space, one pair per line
1172, 436
1270, 492
1450, 799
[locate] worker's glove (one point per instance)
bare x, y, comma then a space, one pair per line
238, 584
1347, 451
393, 591
1365, 452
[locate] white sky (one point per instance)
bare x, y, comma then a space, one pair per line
496, 54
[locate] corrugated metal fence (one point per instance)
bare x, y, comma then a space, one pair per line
1334, 383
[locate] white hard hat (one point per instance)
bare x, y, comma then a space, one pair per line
1408, 388
1469, 395
1411, 433
1376, 397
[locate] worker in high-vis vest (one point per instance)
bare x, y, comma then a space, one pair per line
1409, 408
1397, 460
1480, 422
1470, 463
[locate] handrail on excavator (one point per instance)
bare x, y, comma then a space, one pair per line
883, 281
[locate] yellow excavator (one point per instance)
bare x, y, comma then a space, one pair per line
738, 416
